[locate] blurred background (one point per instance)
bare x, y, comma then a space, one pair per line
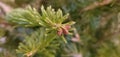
97, 27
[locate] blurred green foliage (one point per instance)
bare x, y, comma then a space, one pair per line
98, 28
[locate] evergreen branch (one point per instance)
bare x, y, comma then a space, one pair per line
24, 17
37, 42
49, 18
30, 17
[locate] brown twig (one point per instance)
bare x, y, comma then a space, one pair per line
96, 5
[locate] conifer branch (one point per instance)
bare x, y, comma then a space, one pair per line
51, 23
37, 42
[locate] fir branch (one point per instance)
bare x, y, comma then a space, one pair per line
24, 17
49, 18
37, 43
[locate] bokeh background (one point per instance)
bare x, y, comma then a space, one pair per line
97, 24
